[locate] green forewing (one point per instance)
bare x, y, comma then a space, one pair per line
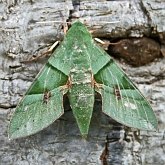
79, 67
33, 113
49, 78
78, 39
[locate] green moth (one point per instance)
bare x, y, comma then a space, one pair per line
79, 68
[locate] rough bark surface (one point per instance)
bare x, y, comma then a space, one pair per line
25, 32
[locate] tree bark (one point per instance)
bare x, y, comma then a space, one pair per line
27, 29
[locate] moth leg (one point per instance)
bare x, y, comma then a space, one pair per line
92, 81
64, 87
43, 55
67, 85
65, 28
97, 85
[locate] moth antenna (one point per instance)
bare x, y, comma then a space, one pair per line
53, 46
98, 40
45, 54
107, 43
42, 22
84, 21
